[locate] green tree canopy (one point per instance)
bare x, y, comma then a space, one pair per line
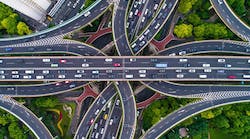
183, 30
22, 29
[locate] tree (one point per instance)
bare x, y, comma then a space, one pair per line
10, 23
183, 30
186, 5
22, 29
5, 11
16, 132
194, 19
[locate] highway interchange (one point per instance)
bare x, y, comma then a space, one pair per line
177, 66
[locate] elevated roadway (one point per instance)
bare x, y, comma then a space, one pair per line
97, 106
129, 110
26, 116
231, 19
188, 111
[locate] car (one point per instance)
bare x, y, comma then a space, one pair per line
8, 49
179, 75
141, 38
1, 71
202, 76
45, 71
142, 71
142, 75
156, 6
87, 13
85, 65
228, 66
61, 76
111, 122
109, 104
157, 26
164, 6
172, 54
133, 45
96, 125
63, 61
220, 1
80, 71
142, 43
130, 14
2, 76
102, 131
27, 77
139, 13
231, 77
95, 72
66, 82
146, 32
191, 70
40, 77
46, 60
108, 60
14, 72
183, 60
205, 65
207, 70
221, 60
29, 71
15, 76
220, 71
97, 111
91, 121
96, 135
117, 64
135, 5
78, 75
146, 12
182, 52
54, 65
1, 61
136, 12
57, 84
178, 70
117, 102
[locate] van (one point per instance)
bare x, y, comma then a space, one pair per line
202, 76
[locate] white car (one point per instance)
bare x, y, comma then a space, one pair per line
179, 75
87, 13
61, 76
142, 71
207, 70
85, 65
183, 60
27, 77
39, 77
108, 60
221, 60
191, 70
46, 60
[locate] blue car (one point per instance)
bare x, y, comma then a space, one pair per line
8, 49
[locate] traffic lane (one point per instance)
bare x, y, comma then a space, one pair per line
113, 129
154, 26
39, 90
130, 112
203, 47
85, 125
119, 29
99, 8
234, 23
125, 90
79, 49
27, 117
168, 122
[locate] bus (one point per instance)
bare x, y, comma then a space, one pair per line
246, 76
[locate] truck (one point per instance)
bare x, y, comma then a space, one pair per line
161, 65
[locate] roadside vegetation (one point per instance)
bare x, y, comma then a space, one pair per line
226, 122
88, 3
198, 23
55, 115
11, 127
10, 22
241, 8
160, 108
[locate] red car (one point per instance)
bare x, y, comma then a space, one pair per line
117, 64
63, 61
139, 14
231, 77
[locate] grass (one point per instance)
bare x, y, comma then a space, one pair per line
217, 134
66, 121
